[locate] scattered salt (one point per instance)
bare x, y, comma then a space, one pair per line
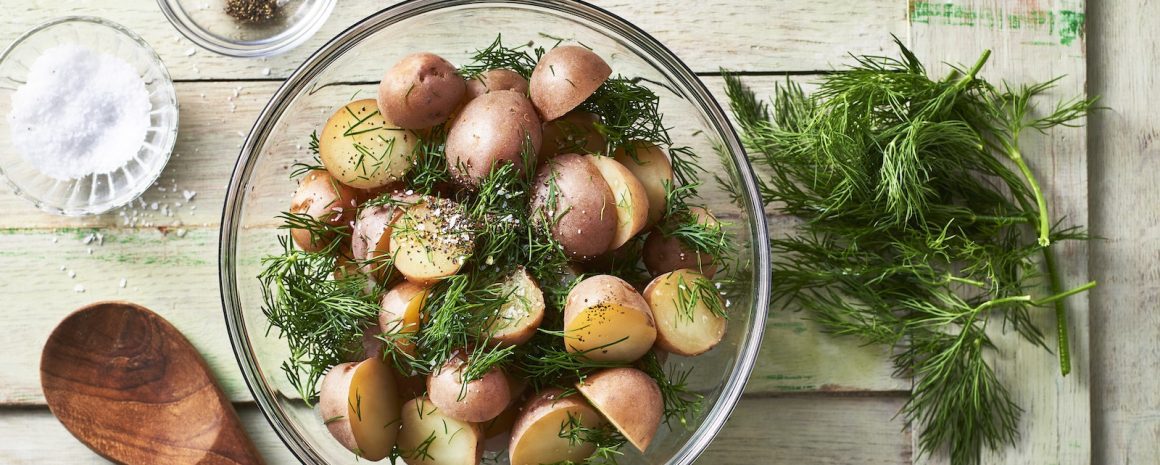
189, 195
72, 274
190, 51
265, 71
124, 282
79, 289
79, 113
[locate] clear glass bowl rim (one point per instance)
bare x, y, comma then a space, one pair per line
144, 183
287, 40
735, 384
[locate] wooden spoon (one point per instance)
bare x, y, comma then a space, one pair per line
127, 384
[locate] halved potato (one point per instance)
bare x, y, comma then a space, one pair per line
324, 199
431, 240
360, 404
564, 77
607, 320
683, 304
361, 149
399, 317
663, 254
572, 197
480, 400
519, 317
429, 437
631, 200
652, 168
574, 132
540, 434
370, 237
629, 399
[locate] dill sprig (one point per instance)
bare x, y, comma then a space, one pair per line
629, 111
680, 404
917, 233
607, 440
521, 59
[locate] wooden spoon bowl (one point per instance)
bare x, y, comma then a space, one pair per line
133, 389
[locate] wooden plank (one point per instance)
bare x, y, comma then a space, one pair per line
1032, 41
797, 35
1124, 159
815, 430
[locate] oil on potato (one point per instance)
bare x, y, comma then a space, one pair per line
521, 314
399, 317
572, 197
325, 200
605, 319
491, 130
420, 91
361, 149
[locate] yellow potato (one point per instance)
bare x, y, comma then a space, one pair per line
607, 320
652, 168
629, 399
481, 400
400, 314
362, 150
683, 304
536, 436
429, 437
370, 237
632, 204
360, 404
517, 320
431, 240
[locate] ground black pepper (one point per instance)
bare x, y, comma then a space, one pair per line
252, 11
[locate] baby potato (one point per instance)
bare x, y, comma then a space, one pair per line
493, 80
420, 91
663, 254
491, 130
520, 316
564, 77
631, 199
629, 399
481, 400
540, 434
361, 149
575, 132
430, 437
400, 314
688, 312
430, 240
606, 320
325, 200
572, 197
359, 403
652, 168
370, 237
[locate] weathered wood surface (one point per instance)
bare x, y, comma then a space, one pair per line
1032, 42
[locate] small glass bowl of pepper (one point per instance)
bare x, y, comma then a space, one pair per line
247, 28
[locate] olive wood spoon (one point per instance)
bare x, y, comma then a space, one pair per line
128, 385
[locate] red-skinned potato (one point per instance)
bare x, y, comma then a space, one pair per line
324, 199
420, 91
491, 130
481, 400
575, 132
431, 240
632, 204
682, 304
400, 315
520, 316
605, 319
570, 194
663, 254
536, 436
359, 402
629, 399
443, 440
653, 169
362, 150
370, 238
493, 80
564, 77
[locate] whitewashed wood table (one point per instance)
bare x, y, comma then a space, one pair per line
812, 398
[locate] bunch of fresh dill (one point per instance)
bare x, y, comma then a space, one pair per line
921, 228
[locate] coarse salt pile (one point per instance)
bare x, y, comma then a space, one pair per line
81, 112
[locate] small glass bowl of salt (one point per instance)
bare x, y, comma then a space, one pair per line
88, 116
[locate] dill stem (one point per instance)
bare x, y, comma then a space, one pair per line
1040, 201
970, 76
1062, 343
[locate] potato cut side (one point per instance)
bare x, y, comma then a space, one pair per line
629, 399
519, 317
361, 149
431, 240
400, 314
536, 436
688, 310
478, 401
605, 319
360, 404
652, 168
632, 203
429, 437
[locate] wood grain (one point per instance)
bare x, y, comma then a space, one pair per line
131, 387
1032, 42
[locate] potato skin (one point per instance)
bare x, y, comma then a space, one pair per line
629, 399
356, 400
620, 312
400, 313
583, 218
483, 400
371, 235
491, 129
652, 168
564, 78
575, 132
493, 80
323, 198
664, 254
420, 91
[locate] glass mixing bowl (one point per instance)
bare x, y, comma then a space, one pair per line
207, 24
350, 66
